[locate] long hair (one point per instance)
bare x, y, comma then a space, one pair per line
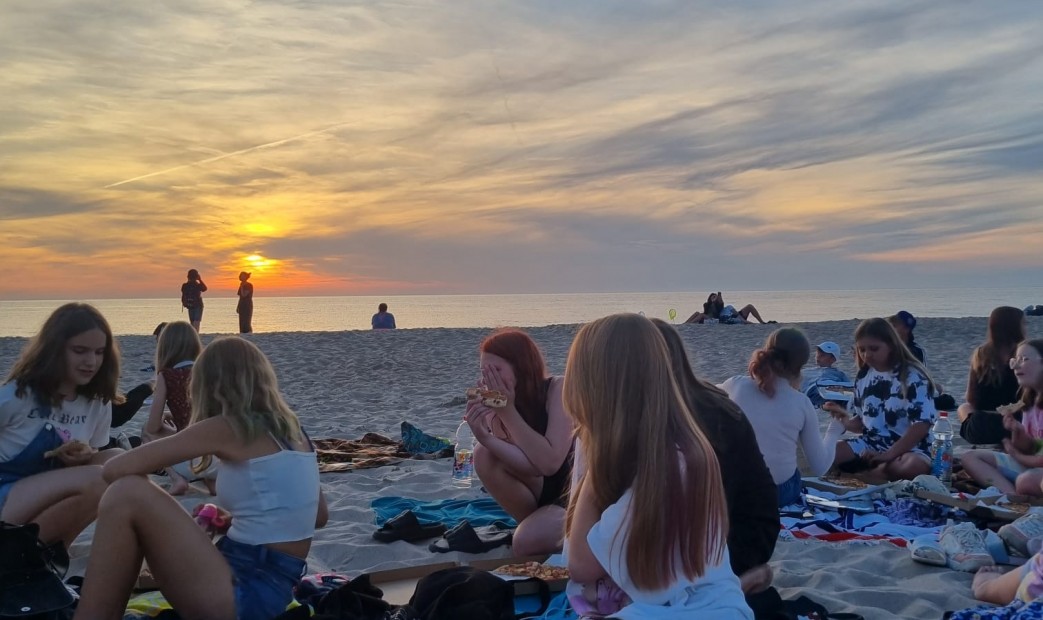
900, 358
1006, 330
713, 305
699, 395
42, 367
234, 379
530, 372
178, 342
633, 424
783, 355
1030, 396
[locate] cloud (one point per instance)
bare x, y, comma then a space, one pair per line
425, 147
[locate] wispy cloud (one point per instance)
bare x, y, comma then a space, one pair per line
419, 146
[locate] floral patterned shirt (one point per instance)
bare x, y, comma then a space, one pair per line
888, 408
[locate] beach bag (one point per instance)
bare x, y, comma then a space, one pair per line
465, 592
31, 574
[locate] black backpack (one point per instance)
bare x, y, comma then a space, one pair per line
464, 592
31, 585
190, 295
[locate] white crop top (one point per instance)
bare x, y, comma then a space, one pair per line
273, 498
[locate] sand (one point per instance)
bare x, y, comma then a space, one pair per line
343, 384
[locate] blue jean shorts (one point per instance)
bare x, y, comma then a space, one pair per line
789, 491
1005, 463
195, 315
264, 578
5, 490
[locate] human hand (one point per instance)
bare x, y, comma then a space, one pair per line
480, 419
212, 518
835, 410
881, 458
494, 379
72, 453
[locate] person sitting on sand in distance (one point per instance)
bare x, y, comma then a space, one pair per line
383, 319
748, 486
1019, 468
176, 353
192, 297
523, 451
781, 415
269, 485
893, 406
59, 394
715, 308
991, 383
648, 518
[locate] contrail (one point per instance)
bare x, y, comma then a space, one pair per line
232, 154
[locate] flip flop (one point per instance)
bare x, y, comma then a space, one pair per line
405, 526
464, 537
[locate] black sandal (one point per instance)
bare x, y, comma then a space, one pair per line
470, 539
405, 526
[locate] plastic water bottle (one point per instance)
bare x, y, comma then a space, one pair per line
463, 459
941, 449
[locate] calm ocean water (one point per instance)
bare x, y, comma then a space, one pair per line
271, 314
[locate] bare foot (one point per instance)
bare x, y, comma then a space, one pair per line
757, 579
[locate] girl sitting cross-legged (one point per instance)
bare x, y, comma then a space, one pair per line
268, 482
893, 407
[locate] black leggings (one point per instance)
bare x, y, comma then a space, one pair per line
122, 413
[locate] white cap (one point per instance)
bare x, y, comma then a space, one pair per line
830, 347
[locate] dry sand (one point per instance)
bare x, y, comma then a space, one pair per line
343, 384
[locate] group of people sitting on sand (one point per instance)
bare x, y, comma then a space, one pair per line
577, 460
716, 311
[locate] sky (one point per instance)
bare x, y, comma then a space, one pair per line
333, 147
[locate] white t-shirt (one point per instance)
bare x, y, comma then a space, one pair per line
22, 419
780, 422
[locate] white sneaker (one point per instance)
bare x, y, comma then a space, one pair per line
1018, 533
964, 544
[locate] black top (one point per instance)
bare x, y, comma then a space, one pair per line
753, 505
917, 351
988, 396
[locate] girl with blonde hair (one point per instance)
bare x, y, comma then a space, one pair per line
647, 511
176, 353
269, 485
893, 406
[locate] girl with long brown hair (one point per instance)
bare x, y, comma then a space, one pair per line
647, 511
523, 451
991, 382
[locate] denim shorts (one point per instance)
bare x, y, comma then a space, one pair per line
1005, 463
264, 578
789, 491
195, 315
5, 490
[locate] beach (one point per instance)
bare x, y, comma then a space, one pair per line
345, 384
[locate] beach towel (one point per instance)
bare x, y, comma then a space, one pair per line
449, 512
373, 450
1015, 611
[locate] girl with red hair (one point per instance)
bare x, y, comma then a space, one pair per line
523, 452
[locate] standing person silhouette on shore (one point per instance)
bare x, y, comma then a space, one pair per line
245, 308
192, 297
383, 319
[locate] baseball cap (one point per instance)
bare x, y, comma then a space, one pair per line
907, 318
830, 347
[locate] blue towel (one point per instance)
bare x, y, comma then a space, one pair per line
449, 512
559, 609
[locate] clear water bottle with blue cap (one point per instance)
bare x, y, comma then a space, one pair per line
941, 449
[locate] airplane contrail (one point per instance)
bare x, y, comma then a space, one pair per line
232, 154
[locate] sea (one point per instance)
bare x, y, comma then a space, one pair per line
294, 314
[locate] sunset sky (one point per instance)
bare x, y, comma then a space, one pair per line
336, 147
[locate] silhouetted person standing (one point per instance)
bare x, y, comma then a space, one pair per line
383, 319
245, 308
192, 297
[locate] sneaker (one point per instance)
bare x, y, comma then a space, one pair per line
1018, 533
965, 547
